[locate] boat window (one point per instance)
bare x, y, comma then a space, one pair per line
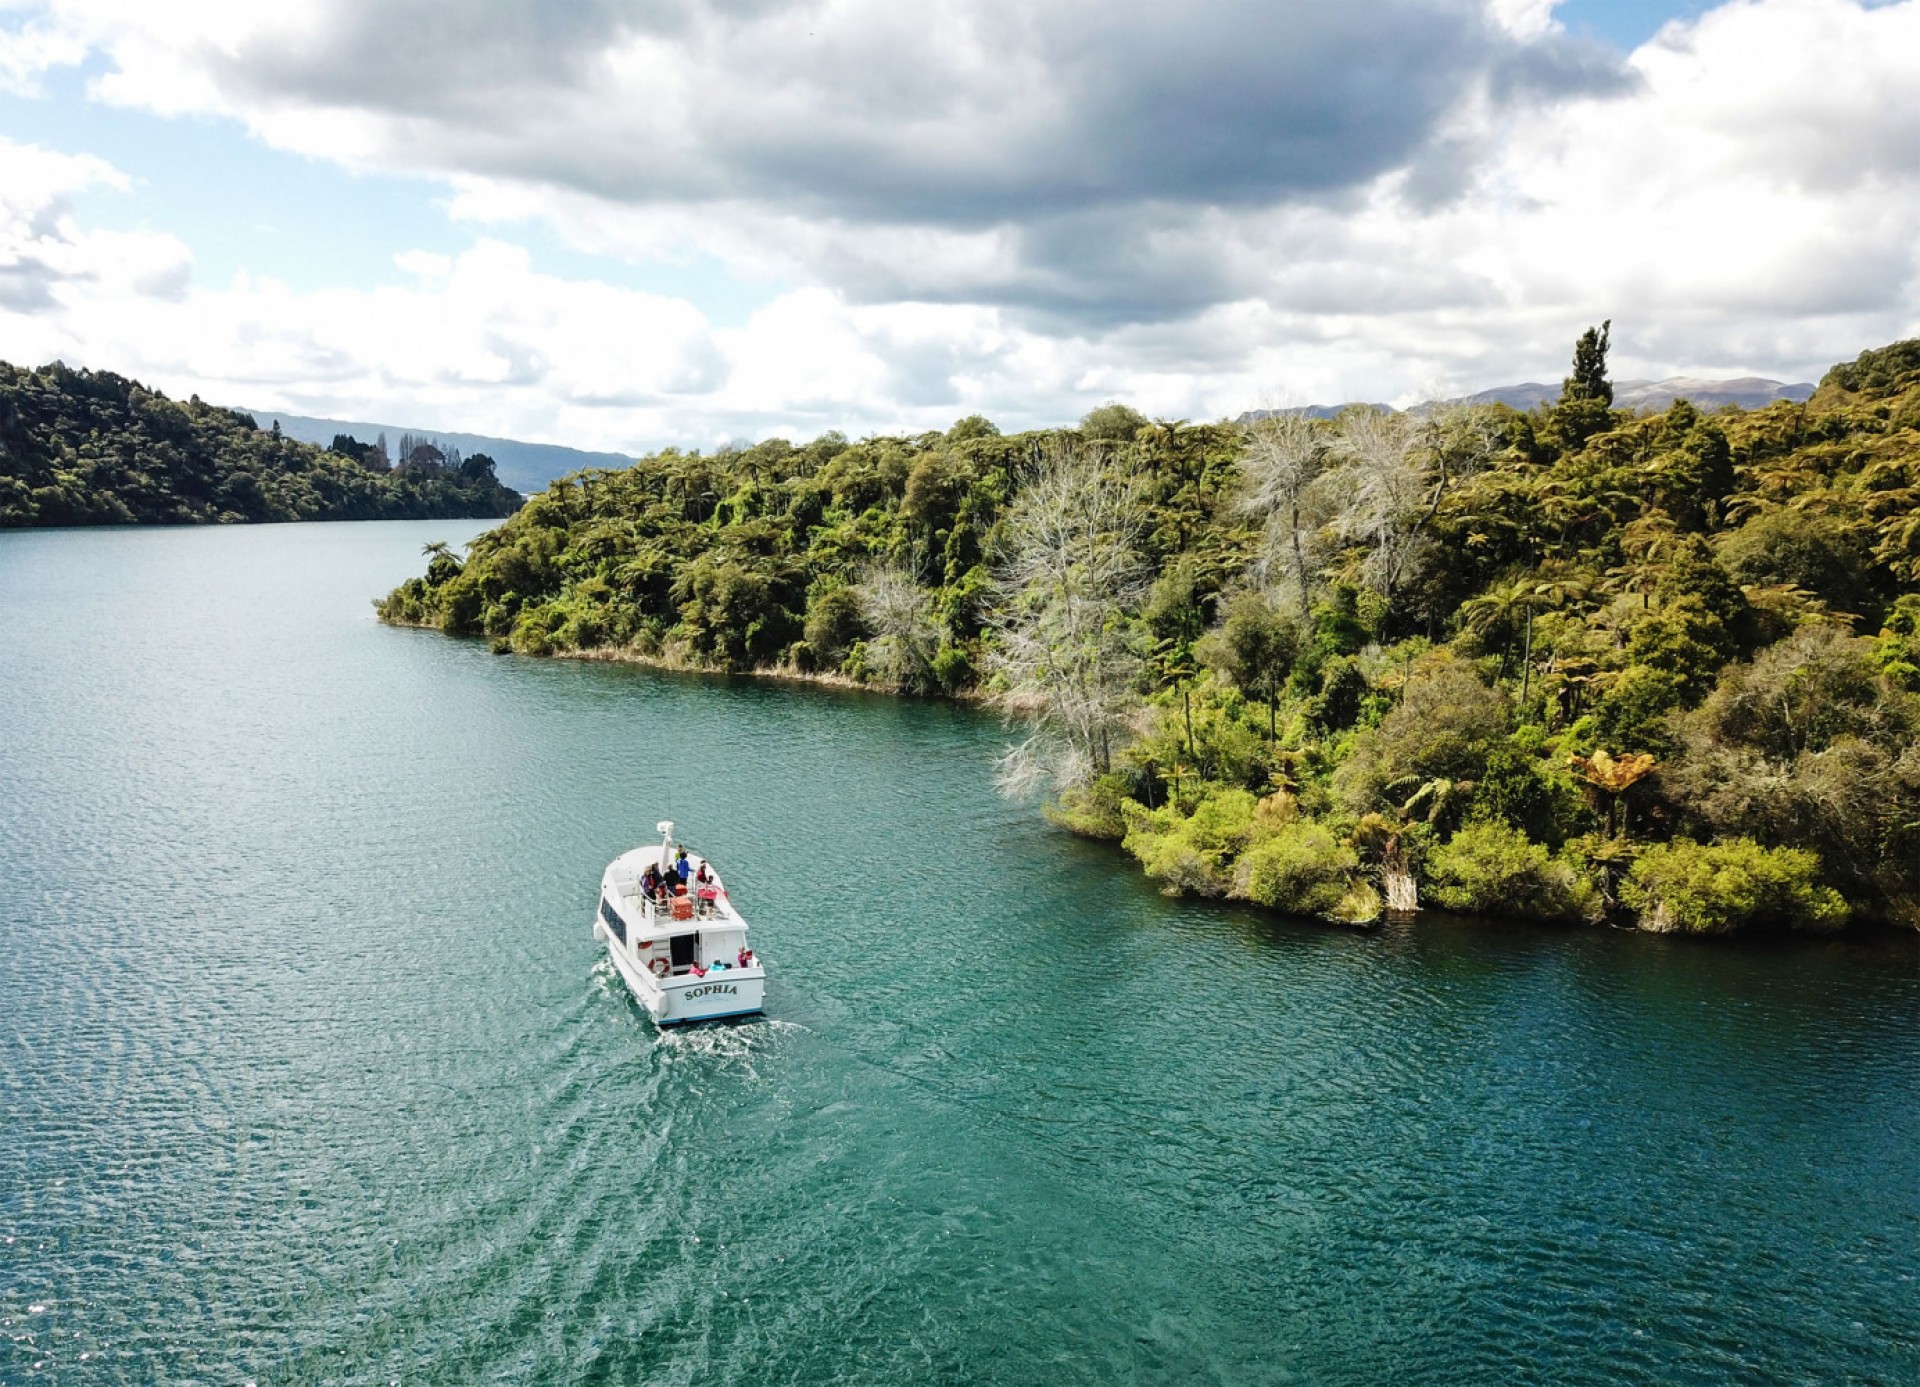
614, 922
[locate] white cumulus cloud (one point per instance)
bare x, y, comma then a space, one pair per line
50, 262
1015, 209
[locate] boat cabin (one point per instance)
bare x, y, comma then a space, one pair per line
667, 934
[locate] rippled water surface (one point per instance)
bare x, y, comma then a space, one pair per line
308, 1072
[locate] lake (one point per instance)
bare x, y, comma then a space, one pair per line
311, 1070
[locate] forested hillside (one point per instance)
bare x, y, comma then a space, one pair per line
93, 448
1575, 664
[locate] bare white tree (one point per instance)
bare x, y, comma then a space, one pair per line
1397, 469
906, 635
1069, 576
1462, 439
1283, 465
1383, 484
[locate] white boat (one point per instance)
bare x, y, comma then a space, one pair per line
684, 957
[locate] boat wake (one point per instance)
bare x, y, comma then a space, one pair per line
730, 1043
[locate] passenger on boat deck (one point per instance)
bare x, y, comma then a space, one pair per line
650, 881
745, 958
682, 866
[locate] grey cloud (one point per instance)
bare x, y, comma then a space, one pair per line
1557, 64
1236, 105
1045, 118
1442, 174
1363, 286
169, 282
1855, 277
524, 364
1092, 268
26, 285
1104, 268
438, 58
922, 375
702, 369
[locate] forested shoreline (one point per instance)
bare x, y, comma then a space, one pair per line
94, 448
1576, 665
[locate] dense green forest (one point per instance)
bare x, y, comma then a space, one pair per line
1572, 665
93, 448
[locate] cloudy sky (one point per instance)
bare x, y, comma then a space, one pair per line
627, 223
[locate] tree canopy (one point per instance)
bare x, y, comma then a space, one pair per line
1298, 661
94, 448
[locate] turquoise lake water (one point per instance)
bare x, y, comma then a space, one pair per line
310, 1070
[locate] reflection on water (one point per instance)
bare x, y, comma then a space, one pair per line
311, 1072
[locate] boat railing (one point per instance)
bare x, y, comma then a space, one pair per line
661, 911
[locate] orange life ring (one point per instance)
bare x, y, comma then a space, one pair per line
660, 967
644, 944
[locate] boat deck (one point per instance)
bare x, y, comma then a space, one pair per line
681, 948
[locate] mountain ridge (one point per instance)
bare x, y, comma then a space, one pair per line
1748, 392
526, 467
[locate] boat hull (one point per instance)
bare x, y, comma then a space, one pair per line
683, 1000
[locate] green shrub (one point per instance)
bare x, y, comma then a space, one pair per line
1633, 714
1898, 650
1492, 868
1360, 905
582, 630
952, 668
533, 631
1440, 730
1718, 888
1805, 550
1158, 840
1515, 788
1093, 811
1191, 853
461, 604
1221, 820
406, 605
1301, 868
1343, 687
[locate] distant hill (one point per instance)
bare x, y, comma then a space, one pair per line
526, 467
1525, 396
93, 448
1312, 411
1749, 392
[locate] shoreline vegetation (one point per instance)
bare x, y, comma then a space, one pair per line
1576, 665
94, 448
